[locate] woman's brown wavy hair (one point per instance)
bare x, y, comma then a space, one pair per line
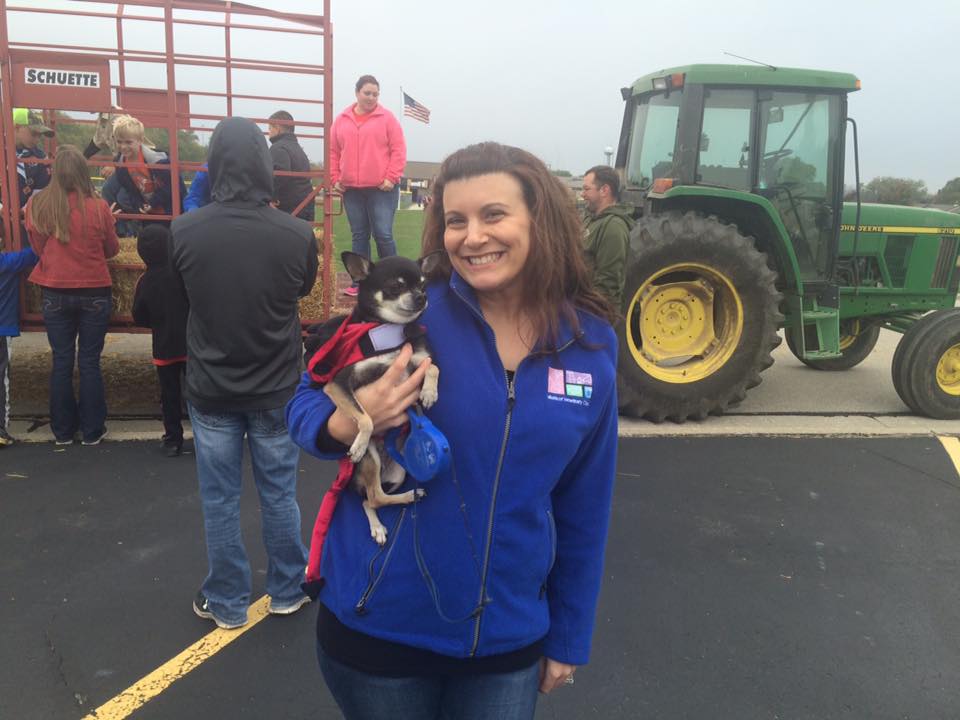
50, 209
555, 280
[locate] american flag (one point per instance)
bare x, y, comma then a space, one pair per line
413, 109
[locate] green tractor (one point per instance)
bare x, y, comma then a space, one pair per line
737, 173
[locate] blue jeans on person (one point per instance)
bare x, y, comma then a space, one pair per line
76, 328
360, 696
113, 192
371, 210
218, 443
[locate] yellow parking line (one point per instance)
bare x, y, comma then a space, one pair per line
149, 686
952, 446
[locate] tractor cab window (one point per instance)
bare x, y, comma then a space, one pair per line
653, 136
799, 136
723, 155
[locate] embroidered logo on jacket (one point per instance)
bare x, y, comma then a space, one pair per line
569, 386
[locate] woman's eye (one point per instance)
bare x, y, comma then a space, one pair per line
454, 222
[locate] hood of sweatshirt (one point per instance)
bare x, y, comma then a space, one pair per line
620, 210
239, 163
153, 243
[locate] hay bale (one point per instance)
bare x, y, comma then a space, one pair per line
127, 267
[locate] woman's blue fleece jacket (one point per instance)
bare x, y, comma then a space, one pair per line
534, 464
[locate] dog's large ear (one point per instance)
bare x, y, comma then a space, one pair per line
357, 265
429, 263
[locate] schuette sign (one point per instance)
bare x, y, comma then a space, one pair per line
61, 78
60, 81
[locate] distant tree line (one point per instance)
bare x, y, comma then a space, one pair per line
903, 191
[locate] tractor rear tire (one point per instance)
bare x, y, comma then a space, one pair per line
930, 367
856, 344
905, 348
668, 253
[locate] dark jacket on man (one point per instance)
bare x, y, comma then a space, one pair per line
158, 301
286, 154
31, 177
605, 247
243, 265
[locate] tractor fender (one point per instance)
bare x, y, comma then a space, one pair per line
752, 214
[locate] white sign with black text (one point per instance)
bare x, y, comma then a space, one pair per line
61, 78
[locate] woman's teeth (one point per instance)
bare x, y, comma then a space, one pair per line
484, 259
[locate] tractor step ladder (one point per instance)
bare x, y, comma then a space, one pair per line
827, 323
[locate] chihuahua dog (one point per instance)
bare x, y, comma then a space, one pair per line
391, 296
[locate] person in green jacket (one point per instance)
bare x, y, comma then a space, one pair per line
607, 233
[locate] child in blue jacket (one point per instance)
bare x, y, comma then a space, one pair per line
12, 264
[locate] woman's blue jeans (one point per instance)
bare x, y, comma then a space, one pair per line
371, 210
76, 328
218, 443
506, 696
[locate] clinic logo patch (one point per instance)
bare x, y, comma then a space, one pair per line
569, 386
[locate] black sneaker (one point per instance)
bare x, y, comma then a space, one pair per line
201, 606
5, 439
288, 609
95, 440
172, 447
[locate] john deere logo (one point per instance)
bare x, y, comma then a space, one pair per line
61, 78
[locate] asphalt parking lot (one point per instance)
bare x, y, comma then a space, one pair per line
746, 578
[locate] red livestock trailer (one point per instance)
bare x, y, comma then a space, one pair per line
177, 65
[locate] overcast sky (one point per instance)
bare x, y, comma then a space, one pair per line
545, 75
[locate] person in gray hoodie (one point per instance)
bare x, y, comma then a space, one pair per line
243, 266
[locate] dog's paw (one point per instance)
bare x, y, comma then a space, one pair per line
379, 534
428, 396
358, 449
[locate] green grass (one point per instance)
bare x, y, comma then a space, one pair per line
407, 231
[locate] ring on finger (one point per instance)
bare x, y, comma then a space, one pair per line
568, 680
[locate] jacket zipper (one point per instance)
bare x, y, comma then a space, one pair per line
361, 607
511, 399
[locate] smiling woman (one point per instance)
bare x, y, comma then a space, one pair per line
510, 226
490, 596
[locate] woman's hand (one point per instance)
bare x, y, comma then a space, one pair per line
106, 171
555, 674
385, 400
386, 185
115, 209
337, 188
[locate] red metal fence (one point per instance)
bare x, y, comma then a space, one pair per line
109, 64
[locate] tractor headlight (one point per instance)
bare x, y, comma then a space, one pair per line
668, 81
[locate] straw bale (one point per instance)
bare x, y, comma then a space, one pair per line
125, 283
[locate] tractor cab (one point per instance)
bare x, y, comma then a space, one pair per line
777, 134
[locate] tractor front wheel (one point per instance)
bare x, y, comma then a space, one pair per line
926, 366
858, 337
700, 320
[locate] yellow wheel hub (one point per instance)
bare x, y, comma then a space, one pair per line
848, 333
948, 371
684, 323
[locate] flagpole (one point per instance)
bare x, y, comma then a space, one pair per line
404, 131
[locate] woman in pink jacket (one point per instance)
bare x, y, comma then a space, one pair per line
367, 156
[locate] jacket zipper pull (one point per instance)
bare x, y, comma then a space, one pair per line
511, 394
